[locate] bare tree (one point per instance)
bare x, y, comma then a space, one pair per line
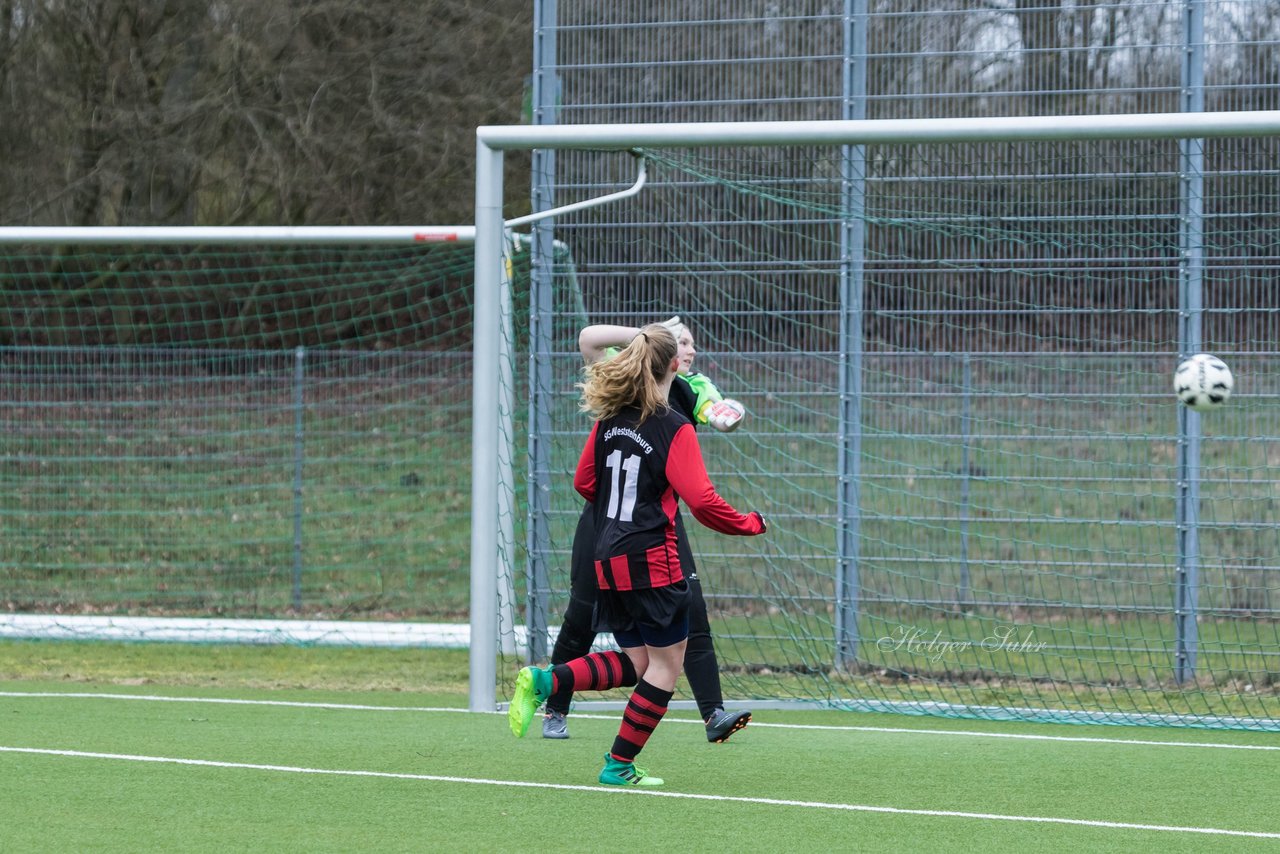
240, 111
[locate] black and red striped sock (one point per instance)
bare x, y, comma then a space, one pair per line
597, 671
644, 712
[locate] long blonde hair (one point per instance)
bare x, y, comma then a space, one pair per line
631, 378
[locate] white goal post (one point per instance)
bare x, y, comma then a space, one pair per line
494, 141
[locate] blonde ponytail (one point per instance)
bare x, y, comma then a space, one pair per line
631, 378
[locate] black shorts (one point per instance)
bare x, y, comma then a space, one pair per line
650, 617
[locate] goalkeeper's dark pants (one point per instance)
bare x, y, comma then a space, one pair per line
577, 633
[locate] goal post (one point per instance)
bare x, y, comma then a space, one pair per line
893, 589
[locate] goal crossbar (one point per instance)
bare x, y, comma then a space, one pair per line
328, 235
493, 141
866, 131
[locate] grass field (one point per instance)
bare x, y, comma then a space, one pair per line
156, 747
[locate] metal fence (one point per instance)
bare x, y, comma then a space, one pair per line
1122, 257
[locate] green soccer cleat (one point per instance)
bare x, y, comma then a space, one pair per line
533, 687
617, 773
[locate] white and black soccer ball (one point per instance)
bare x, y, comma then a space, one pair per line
1203, 382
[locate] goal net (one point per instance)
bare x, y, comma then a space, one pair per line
955, 343
271, 425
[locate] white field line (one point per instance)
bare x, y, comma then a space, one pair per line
155, 698
578, 716
482, 781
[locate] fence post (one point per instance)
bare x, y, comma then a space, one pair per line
299, 360
545, 97
1190, 340
966, 466
853, 230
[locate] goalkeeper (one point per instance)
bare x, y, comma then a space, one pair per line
695, 397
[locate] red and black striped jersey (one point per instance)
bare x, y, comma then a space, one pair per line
634, 474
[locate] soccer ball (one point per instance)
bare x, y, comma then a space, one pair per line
1203, 382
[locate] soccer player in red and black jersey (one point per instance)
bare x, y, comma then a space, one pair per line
640, 459
695, 396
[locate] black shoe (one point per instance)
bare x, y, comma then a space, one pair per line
723, 724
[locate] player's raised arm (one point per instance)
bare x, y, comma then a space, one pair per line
595, 342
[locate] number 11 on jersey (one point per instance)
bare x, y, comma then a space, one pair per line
628, 471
